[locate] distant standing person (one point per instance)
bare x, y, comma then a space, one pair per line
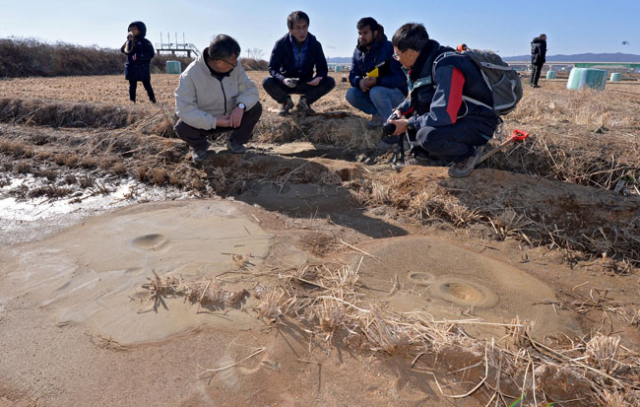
379, 85
215, 95
139, 52
538, 58
292, 64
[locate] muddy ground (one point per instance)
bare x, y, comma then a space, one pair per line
309, 271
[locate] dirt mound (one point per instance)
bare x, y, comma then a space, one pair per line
536, 211
451, 283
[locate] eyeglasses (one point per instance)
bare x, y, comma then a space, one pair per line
396, 55
229, 63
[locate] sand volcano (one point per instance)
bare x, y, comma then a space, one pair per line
93, 273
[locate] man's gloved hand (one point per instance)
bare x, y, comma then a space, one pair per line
290, 82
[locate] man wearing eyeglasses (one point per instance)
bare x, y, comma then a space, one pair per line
292, 64
448, 112
215, 95
377, 79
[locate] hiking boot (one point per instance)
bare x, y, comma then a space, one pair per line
198, 156
286, 107
304, 107
235, 147
419, 153
465, 167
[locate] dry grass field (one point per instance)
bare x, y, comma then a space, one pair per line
562, 206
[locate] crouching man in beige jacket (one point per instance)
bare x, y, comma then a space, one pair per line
215, 95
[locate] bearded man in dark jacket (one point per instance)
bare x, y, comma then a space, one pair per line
139, 52
292, 64
378, 83
538, 58
449, 111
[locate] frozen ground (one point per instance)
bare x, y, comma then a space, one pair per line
24, 218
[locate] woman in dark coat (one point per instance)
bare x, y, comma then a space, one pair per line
139, 52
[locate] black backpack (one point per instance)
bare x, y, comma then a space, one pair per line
503, 80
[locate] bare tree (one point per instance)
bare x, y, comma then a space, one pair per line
255, 53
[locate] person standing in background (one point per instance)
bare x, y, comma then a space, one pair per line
139, 52
538, 58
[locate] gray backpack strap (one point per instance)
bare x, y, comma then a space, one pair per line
438, 59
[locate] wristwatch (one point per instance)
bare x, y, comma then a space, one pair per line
242, 106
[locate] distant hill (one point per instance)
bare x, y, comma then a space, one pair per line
589, 57
339, 60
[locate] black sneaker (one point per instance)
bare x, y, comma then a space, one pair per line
304, 107
198, 156
235, 147
286, 107
465, 167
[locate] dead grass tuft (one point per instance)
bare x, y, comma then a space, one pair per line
158, 176
204, 293
16, 149
23, 167
435, 203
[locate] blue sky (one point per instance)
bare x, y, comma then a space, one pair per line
506, 26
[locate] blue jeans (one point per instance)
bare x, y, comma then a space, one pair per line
378, 101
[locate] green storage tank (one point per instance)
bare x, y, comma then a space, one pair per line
338, 68
616, 77
580, 78
174, 67
552, 75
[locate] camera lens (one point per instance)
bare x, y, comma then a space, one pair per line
389, 128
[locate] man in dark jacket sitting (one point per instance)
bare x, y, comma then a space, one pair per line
538, 58
448, 113
291, 67
377, 79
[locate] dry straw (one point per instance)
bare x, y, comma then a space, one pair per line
327, 300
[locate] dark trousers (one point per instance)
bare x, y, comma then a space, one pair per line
535, 74
133, 86
279, 91
197, 138
457, 141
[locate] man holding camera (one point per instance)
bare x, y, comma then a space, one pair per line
448, 113
292, 64
377, 79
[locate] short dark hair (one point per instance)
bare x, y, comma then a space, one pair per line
368, 22
297, 16
410, 36
223, 46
